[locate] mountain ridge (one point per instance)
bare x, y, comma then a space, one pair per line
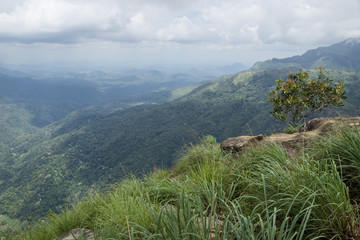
292, 185
339, 56
94, 147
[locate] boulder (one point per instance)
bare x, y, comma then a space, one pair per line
237, 144
322, 125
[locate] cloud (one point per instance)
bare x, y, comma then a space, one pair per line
222, 22
42, 21
303, 22
227, 25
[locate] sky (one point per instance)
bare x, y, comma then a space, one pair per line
149, 32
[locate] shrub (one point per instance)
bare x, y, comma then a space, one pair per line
299, 97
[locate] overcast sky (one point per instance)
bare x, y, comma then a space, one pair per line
171, 31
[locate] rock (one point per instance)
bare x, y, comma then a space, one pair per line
322, 125
237, 144
78, 233
293, 143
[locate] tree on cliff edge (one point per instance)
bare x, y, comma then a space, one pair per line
299, 97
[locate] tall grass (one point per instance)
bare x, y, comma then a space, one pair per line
211, 194
332, 214
188, 220
271, 226
344, 149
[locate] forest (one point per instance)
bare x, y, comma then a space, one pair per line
57, 149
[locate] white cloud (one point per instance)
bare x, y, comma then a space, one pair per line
40, 20
229, 22
181, 29
205, 24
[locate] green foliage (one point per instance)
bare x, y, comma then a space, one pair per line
303, 178
89, 149
344, 148
299, 97
54, 166
261, 195
339, 56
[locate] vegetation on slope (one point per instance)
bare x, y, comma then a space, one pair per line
340, 56
51, 167
70, 156
211, 194
92, 148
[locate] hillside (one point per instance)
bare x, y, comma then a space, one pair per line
88, 149
340, 56
50, 96
95, 148
263, 193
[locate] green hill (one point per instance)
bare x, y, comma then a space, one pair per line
59, 164
211, 194
92, 149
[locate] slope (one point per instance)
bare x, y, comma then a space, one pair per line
340, 56
92, 148
213, 194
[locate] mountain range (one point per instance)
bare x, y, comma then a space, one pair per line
50, 157
340, 56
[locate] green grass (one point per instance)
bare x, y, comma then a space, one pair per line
344, 148
305, 177
211, 194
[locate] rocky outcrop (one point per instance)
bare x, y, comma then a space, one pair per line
237, 144
321, 125
293, 143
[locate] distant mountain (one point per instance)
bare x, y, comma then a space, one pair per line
50, 98
46, 101
93, 147
339, 56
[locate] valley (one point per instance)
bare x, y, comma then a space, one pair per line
60, 142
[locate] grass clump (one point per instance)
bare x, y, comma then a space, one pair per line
343, 148
211, 194
290, 184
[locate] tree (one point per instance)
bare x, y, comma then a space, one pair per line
299, 97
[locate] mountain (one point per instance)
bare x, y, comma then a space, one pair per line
340, 56
90, 148
279, 187
49, 97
